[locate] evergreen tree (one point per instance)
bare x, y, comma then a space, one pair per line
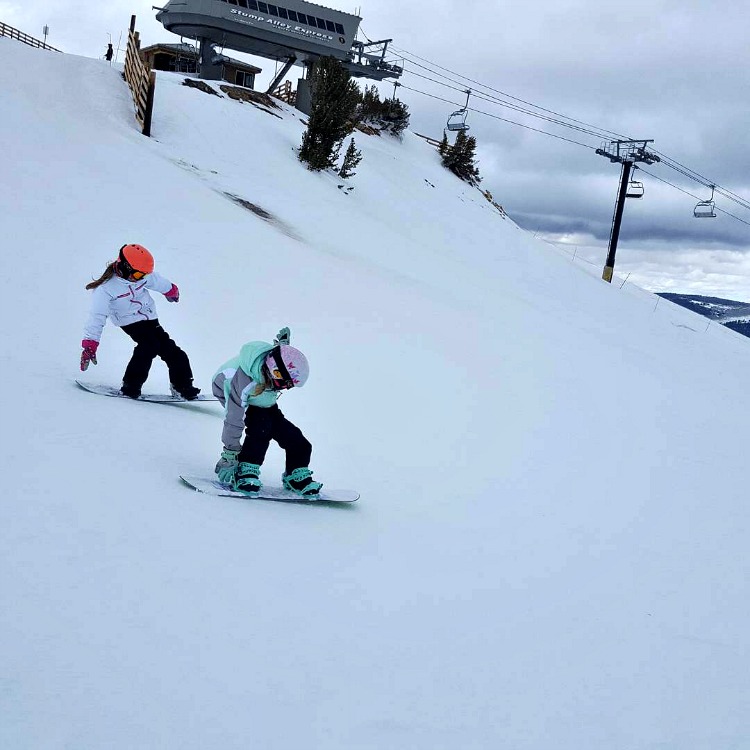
352, 158
370, 104
390, 116
334, 101
459, 158
394, 116
444, 145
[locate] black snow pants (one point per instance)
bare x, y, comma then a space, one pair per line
153, 341
264, 425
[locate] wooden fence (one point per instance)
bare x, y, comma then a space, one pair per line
9, 31
431, 141
285, 93
141, 80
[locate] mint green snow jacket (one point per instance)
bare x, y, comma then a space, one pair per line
236, 385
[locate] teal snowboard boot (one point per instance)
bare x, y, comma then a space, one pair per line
301, 482
246, 478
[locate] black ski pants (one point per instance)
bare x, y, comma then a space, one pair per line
264, 425
153, 341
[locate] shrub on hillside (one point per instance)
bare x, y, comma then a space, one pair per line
387, 116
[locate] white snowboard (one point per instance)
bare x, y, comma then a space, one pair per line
214, 487
162, 398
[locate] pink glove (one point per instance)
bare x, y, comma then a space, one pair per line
173, 295
89, 352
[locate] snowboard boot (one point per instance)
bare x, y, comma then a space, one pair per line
246, 478
131, 391
301, 482
188, 392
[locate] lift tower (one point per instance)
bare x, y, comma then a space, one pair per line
626, 153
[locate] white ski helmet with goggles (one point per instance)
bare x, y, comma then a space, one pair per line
287, 367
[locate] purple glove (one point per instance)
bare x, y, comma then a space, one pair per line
89, 352
173, 295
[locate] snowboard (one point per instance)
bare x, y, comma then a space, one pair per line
161, 398
269, 492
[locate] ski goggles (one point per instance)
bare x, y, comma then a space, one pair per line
127, 271
279, 376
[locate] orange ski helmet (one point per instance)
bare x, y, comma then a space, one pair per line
135, 262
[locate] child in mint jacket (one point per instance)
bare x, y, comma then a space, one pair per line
248, 386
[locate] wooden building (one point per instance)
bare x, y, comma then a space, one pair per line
184, 58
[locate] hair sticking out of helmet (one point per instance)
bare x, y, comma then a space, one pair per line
287, 367
134, 262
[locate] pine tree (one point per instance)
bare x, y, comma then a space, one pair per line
459, 158
394, 116
352, 158
444, 145
390, 115
370, 104
452, 153
469, 169
334, 101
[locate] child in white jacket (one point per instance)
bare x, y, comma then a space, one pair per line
121, 294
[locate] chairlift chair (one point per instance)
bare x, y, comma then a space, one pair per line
457, 120
634, 189
706, 209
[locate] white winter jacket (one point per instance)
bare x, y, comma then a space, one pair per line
123, 302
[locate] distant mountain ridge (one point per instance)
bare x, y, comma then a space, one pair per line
730, 313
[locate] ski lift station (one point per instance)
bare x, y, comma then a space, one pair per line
296, 33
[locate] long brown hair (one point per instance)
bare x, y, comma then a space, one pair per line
109, 272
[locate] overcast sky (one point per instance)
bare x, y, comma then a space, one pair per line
670, 70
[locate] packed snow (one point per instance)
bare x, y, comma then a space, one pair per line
550, 550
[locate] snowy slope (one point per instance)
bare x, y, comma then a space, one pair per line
548, 552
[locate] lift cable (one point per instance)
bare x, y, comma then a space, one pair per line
497, 101
601, 132
682, 190
705, 182
493, 100
588, 129
723, 192
570, 140
496, 117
